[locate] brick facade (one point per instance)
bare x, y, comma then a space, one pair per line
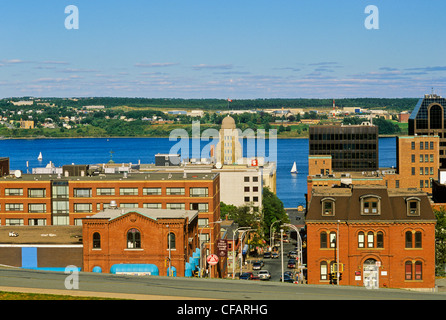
400, 244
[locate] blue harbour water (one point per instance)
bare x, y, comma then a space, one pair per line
291, 188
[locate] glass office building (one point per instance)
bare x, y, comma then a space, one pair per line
352, 147
428, 118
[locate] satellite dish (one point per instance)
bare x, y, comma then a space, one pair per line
18, 173
218, 165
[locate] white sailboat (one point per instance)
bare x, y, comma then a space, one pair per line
294, 168
40, 157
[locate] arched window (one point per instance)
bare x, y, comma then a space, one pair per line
408, 239
323, 239
380, 239
436, 117
332, 239
133, 239
418, 239
361, 239
171, 241
418, 270
370, 205
96, 240
324, 270
370, 240
408, 270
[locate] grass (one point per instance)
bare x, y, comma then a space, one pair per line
4, 295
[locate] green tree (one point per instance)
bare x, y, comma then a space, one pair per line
272, 210
440, 239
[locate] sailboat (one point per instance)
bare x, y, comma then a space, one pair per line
40, 157
294, 168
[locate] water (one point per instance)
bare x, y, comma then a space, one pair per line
291, 188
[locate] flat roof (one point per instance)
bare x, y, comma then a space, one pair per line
151, 176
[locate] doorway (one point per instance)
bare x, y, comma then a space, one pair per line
371, 274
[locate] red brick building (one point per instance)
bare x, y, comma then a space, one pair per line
156, 238
386, 237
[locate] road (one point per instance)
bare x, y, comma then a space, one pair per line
158, 287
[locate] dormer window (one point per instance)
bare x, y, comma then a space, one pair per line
413, 206
328, 206
370, 205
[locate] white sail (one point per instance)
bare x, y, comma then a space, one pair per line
40, 156
294, 168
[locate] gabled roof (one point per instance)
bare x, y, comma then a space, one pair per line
154, 214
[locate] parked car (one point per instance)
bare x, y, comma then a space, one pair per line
267, 255
292, 254
264, 275
287, 277
257, 265
246, 276
291, 263
274, 255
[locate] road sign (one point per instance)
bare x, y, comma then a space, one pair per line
212, 259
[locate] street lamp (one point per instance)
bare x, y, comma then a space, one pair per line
210, 242
281, 249
271, 233
299, 247
233, 246
170, 258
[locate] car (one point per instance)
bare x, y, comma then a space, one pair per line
246, 276
257, 265
291, 263
267, 255
292, 254
274, 255
264, 275
287, 277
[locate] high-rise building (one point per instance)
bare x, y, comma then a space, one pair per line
352, 147
229, 149
429, 118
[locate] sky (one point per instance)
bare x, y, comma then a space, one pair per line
242, 49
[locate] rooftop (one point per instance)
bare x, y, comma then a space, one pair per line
154, 214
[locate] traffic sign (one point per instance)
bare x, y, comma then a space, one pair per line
212, 259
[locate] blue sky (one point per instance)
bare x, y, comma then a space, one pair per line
222, 49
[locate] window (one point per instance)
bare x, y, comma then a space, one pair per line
175, 191
413, 145
60, 207
36, 193
151, 191
13, 192
246, 189
328, 206
37, 222
82, 207
199, 192
255, 179
175, 206
413, 158
105, 191
323, 240
421, 145
61, 220
246, 179
96, 240
413, 171
151, 205
370, 240
255, 189
421, 158
14, 222
380, 240
332, 240
171, 241
409, 270
361, 240
201, 207
255, 199
413, 206
324, 270
60, 191
247, 199
133, 239
370, 205
82, 193
431, 145
36, 207
128, 205
14, 206
418, 237
128, 191
409, 239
